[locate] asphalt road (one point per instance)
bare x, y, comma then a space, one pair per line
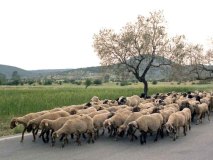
197, 145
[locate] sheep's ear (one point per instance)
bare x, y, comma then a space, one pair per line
16, 122
109, 123
46, 124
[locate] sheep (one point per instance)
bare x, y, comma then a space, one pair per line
187, 113
175, 121
146, 105
98, 121
201, 110
84, 124
24, 120
130, 101
34, 123
86, 111
133, 116
147, 123
54, 125
97, 112
115, 121
73, 108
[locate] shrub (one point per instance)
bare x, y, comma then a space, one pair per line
97, 82
154, 82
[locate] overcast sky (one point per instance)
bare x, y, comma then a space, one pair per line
50, 34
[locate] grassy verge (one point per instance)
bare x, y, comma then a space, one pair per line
17, 101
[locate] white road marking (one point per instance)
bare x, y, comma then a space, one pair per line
13, 137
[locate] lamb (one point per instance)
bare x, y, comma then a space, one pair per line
24, 120
98, 121
201, 110
34, 123
175, 121
147, 123
54, 125
84, 124
130, 101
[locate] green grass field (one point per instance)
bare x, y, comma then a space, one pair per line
20, 100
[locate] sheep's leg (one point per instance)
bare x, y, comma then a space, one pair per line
184, 130
93, 136
34, 136
208, 113
22, 137
103, 132
161, 132
64, 141
89, 137
199, 119
47, 135
141, 138
144, 136
190, 124
156, 138
174, 134
78, 139
72, 136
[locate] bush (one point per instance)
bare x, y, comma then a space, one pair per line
97, 82
48, 82
124, 83
204, 82
154, 82
87, 83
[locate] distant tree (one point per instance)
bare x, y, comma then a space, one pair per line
2, 78
97, 82
47, 82
200, 62
15, 78
106, 78
139, 46
87, 83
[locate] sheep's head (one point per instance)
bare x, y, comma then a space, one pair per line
132, 126
30, 126
136, 109
43, 124
169, 127
122, 100
107, 123
55, 135
121, 130
105, 101
13, 123
73, 111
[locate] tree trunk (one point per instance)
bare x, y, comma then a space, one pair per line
145, 86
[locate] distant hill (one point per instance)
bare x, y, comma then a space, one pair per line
77, 74
8, 70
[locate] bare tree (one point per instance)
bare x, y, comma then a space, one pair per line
139, 46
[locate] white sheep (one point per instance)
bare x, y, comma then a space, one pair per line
76, 126
130, 101
175, 121
147, 123
34, 123
24, 121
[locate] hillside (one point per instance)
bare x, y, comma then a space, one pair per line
8, 70
78, 74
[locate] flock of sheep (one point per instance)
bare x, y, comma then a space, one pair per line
158, 114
